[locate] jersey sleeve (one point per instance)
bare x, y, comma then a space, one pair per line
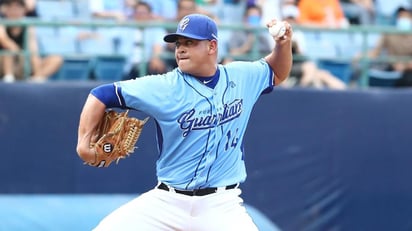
256, 77
148, 93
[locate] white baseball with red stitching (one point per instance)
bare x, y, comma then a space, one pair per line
277, 30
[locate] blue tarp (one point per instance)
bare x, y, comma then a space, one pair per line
316, 159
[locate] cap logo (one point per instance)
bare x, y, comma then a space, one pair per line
184, 23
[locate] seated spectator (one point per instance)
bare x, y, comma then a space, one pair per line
41, 67
119, 10
30, 8
6, 44
165, 9
360, 12
395, 46
148, 43
270, 9
228, 11
386, 10
241, 43
212, 6
322, 13
305, 72
185, 7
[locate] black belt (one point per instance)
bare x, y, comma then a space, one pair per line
196, 192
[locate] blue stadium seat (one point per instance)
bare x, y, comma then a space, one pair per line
124, 41
82, 9
52, 9
74, 68
100, 43
329, 44
379, 78
318, 46
57, 40
372, 39
340, 69
109, 68
43, 31
347, 45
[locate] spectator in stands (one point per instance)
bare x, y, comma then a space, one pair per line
359, 11
228, 11
30, 8
270, 8
212, 6
42, 67
119, 10
149, 43
241, 43
386, 10
6, 44
305, 72
165, 9
322, 13
396, 46
185, 7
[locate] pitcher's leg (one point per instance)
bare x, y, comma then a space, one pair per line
152, 211
223, 212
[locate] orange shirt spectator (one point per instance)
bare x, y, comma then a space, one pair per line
321, 13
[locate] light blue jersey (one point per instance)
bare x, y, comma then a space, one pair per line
200, 129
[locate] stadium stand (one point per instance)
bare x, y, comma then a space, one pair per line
333, 50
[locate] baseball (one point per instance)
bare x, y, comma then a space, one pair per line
277, 30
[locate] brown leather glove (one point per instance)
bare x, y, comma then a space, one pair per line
116, 137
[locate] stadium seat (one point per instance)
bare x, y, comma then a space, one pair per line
46, 31
347, 45
74, 68
109, 68
379, 78
52, 9
101, 42
57, 40
57, 45
318, 46
82, 9
371, 39
124, 41
340, 69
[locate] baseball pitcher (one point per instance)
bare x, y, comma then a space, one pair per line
201, 110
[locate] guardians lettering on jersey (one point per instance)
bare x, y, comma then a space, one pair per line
189, 121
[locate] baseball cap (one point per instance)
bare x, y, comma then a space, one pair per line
195, 26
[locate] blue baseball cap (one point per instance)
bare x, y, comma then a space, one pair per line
195, 26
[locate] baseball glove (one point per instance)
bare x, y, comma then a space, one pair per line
116, 136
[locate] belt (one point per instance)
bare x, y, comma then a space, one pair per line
196, 192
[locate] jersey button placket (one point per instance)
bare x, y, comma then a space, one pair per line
212, 143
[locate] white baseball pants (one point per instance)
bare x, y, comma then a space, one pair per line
160, 210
